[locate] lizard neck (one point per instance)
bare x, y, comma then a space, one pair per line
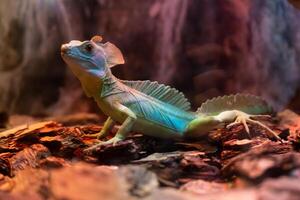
97, 86
90, 84
110, 85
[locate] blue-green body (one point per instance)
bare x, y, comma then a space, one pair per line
153, 115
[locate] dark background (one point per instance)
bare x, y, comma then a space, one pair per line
205, 48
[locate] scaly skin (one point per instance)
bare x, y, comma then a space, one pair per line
139, 109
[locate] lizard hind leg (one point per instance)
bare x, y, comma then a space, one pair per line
200, 126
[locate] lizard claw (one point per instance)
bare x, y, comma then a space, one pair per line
245, 118
99, 135
95, 147
95, 135
270, 132
241, 118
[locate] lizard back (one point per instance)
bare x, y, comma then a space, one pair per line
157, 103
161, 92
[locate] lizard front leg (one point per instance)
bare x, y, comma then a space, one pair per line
108, 125
123, 130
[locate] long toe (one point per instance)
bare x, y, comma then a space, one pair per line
246, 127
95, 135
232, 124
93, 148
271, 133
261, 116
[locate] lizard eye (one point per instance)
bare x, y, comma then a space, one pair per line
89, 48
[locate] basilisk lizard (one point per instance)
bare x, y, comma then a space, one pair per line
149, 107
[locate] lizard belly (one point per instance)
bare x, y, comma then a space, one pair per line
153, 129
153, 119
141, 124
159, 120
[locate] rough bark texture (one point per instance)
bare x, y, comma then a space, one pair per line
45, 160
204, 48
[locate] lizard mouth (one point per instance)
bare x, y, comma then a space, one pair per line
64, 49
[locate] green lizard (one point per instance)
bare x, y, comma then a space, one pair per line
148, 107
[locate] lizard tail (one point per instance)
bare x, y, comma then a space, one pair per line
243, 102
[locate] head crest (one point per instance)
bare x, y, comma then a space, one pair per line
113, 54
97, 39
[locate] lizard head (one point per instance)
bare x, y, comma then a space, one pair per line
91, 56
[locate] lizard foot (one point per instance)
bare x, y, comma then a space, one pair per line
245, 118
113, 141
99, 135
95, 135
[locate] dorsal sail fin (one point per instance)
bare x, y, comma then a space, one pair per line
244, 102
161, 92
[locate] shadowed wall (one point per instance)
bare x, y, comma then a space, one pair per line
204, 48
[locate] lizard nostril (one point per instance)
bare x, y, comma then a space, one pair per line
64, 48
